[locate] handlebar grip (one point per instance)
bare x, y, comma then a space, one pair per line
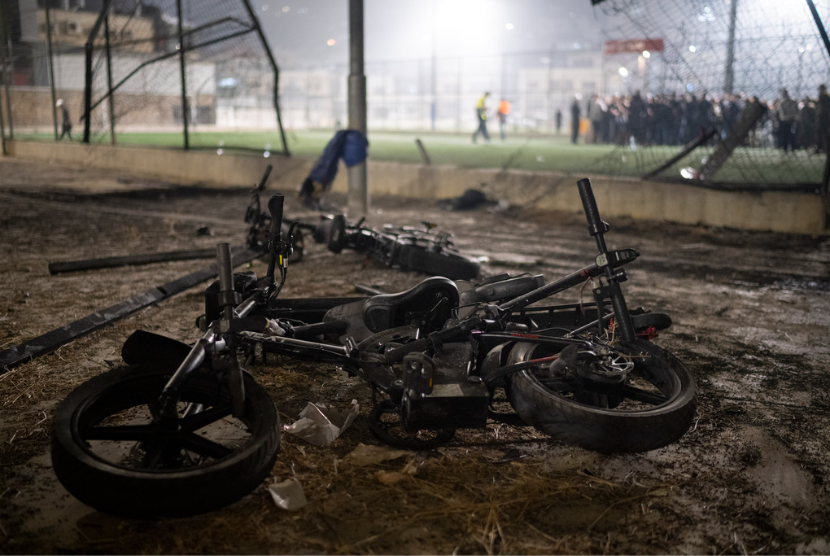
264, 179
589, 203
275, 207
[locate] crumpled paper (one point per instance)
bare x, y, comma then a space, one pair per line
320, 424
288, 494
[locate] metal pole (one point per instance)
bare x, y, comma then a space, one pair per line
820, 26
434, 106
2, 129
88, 49
7, 81
183, 75
51, 70
358, 189
110, 96
729, 78
276, 69
548, 102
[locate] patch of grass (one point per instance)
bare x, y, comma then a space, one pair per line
525, 152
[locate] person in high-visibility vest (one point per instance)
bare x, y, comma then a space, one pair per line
481, 114
504, 110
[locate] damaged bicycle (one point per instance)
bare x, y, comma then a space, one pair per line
185, 429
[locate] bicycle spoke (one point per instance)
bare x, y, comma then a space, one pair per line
204, 446
205, 418
154, 452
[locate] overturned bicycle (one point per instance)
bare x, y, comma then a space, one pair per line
184, 430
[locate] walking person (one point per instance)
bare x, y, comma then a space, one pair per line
558, 120
575, 112
504, 110
481, 114
66, 125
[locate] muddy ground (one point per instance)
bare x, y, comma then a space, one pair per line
751, 322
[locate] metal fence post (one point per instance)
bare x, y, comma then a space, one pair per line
51, 70
183, 74
8, 75
110, 95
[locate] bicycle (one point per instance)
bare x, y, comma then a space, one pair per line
434, 357
405, 247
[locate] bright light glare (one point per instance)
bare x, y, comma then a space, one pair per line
624, 72
692, 48
264, 7
646, 54
286, 9
331, 42
509, 26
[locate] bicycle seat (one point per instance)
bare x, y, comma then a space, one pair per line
429, 305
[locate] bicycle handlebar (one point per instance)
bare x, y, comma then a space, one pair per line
275, 207
589, 203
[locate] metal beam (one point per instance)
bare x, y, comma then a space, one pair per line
183, 76
358, 190
276, 69
115, 262
49, 342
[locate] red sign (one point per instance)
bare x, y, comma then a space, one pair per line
634, 45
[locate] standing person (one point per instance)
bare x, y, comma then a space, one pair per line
558, 120
66, 121
481, 114
787, 114
504, 110
575, 111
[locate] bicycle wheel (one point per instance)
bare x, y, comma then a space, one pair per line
624, 398
450, 265
108, 452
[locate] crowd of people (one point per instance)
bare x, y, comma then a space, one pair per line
787, 123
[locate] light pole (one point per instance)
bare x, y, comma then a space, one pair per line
358, 190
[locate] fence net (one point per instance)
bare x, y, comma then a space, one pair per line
716, 57
136, 76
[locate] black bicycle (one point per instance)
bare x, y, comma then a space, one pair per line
420, 249
184, 429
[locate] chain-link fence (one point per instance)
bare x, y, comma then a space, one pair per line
164, 72
668, 74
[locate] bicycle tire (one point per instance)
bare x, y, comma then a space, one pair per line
450, 265
609, 429
107, 475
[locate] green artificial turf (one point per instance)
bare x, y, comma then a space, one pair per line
526, 152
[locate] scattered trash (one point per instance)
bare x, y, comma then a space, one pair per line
288, 495
369, 455
392, 477
320, 424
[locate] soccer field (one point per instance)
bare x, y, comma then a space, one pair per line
518, 152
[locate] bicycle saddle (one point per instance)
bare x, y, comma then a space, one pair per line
429, 305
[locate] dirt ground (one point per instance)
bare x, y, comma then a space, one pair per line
751, 322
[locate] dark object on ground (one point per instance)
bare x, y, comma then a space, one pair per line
145, 258
469, 200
